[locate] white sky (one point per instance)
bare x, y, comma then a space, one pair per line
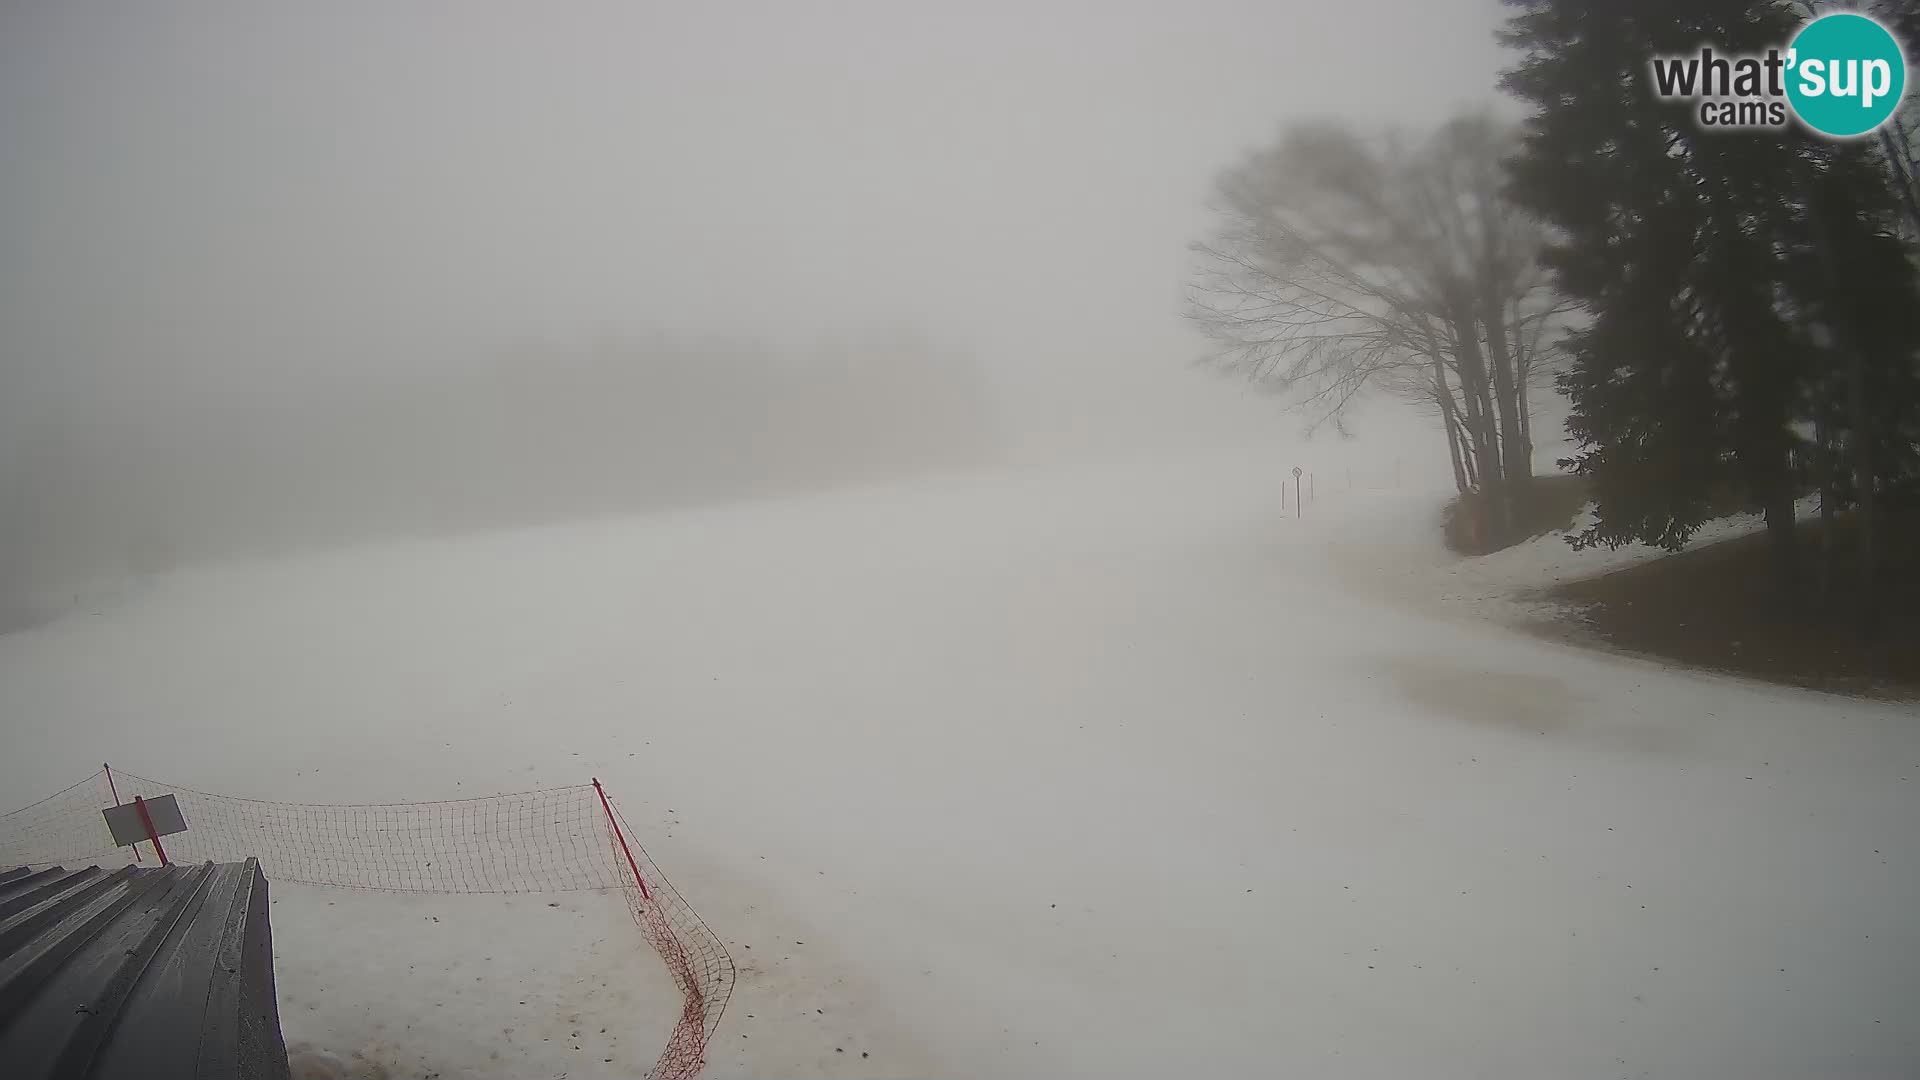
199, 192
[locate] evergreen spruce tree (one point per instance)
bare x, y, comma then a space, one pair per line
1687, 379
1743, 286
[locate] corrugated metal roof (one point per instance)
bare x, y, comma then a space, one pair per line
152, 973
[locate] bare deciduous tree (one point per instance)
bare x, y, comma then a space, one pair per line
1343, 264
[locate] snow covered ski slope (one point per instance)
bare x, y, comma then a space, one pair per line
1097, 771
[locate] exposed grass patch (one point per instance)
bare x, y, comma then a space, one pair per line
1714, 607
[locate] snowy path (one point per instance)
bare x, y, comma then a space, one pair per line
1077, 772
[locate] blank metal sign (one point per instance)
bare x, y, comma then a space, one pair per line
127, 828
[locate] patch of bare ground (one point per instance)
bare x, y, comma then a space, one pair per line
1715, 608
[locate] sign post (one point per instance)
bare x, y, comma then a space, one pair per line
115, 789
1296, 490
146, 820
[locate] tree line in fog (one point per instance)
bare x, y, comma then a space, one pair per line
531, 434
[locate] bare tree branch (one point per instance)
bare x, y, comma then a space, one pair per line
1342, 264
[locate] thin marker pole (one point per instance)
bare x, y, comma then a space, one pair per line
116, 801
645, 893
153, 834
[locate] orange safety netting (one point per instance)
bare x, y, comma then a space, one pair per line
553, 840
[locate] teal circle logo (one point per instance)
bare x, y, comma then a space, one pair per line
1846, 75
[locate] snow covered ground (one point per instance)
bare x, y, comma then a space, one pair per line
1092, 771
379, 986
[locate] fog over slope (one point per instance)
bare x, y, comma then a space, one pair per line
520, 437
274, 279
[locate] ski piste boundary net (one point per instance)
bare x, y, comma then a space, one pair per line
551, 840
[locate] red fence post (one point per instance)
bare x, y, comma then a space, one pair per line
116, 801
146, 819
645, 894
